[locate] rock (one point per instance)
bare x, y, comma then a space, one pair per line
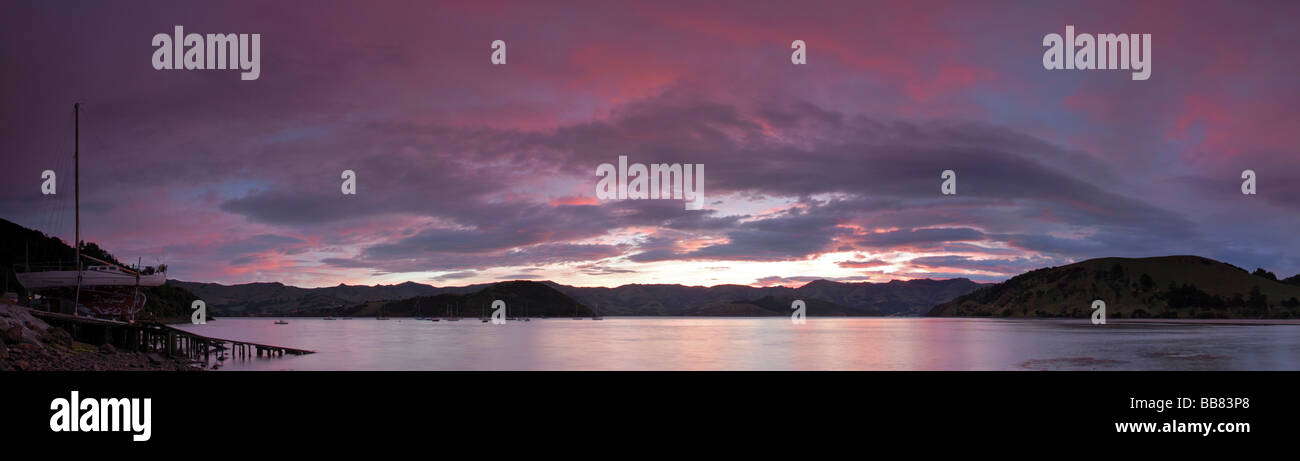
154, 359
107, 348
13, 335
22, 365
56, 335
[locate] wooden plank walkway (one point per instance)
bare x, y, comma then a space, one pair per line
161, 338
260, 348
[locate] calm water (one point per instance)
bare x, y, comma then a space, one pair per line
763, 344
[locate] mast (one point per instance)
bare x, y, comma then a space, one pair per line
76, 197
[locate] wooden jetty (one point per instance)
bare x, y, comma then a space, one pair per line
161, 338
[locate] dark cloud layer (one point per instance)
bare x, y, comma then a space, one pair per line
481, 171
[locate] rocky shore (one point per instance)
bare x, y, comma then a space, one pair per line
29, 344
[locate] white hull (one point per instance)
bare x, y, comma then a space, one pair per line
89, 278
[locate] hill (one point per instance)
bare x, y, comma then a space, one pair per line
1165, 287
20, 245
906, 298
274, 298
896, 297
541, 299
536, 298
911, 297
776, 306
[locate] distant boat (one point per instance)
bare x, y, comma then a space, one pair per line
281, 322
330, 318
595, 313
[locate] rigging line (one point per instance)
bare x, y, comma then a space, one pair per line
49, 211
44, 207
64, 161
81, 113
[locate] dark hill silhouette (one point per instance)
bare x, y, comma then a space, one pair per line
20, 245
1167, 287
911, 297
777, 306
535, 298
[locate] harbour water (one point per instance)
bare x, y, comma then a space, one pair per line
658, 343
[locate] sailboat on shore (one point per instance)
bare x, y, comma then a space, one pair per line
103, 288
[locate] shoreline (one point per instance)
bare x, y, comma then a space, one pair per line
1149, 321
29, 344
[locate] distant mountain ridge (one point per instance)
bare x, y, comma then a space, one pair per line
777, 306
534, 299
896, 297
913, 297
1163, 287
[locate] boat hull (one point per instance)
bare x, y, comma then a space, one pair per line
106, 301
89, 278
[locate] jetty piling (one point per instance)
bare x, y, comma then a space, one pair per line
162, 338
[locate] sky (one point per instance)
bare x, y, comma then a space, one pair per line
469, 172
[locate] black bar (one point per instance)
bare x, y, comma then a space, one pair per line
358, 409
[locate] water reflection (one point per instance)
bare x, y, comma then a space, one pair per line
765, 344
